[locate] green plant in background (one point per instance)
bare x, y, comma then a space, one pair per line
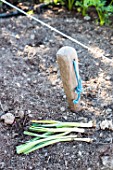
51, 1
84, 5
103, 11
111, 2
1, 3
55, 1
70, 4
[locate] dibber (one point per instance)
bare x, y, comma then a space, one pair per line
69, 71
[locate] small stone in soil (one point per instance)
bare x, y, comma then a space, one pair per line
65, 117
32, 37
89, 169
111, 42
3, 48
107, 55
64, 96
2, 164
112, 38
109, 110
62, 109
87, 18
107, 78
106, 124
8, 118
107, 161
21, 114
54, 69
17, 36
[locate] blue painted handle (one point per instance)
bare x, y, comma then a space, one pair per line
79, 88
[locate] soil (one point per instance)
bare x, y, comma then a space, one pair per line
30, 85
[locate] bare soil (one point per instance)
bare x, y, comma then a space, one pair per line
30, 84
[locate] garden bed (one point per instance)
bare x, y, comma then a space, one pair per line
31, 88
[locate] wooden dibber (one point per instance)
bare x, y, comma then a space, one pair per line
65, 57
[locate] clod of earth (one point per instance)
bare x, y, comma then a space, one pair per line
106, 124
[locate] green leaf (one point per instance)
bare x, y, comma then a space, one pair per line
30, 12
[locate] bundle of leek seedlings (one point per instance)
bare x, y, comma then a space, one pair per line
48, 132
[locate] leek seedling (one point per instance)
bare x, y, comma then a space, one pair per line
36, 135
25, 147
29, 147
56, 130
63, 139
51, 132
45, 121
50, 123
